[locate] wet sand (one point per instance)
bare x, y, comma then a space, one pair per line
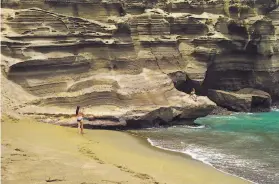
34, 152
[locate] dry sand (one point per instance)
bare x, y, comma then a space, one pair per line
39, 153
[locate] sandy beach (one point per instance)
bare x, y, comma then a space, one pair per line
34, 152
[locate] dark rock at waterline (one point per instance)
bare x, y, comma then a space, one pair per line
112, 123
261, 101
221, 111
244, 100
275, 105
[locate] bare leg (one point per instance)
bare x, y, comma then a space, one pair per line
81, 127
192, 97
195, 98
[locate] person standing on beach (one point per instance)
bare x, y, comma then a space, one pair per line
79, 116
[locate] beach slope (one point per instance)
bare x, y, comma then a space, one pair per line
39, 153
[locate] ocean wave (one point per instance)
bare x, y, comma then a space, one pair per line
207, 156
153, 143
275, 109
195, 127
194, 153
215, 157
214, 117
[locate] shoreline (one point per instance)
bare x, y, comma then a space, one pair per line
204, 162
100, 155
202, 158
184, 155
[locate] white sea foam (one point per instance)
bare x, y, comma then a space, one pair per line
275, 109
195, 127
228, 117
220, 117
207, 156
194, 153
153, 143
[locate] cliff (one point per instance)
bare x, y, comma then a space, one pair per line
135, 59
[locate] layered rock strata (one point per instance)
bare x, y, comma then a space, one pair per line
129, 58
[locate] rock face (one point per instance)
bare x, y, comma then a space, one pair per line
244, 100
117, 58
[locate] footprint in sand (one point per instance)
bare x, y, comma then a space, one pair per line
17, 149
54, 180
138, 175
90, 153
125, 169
116, 182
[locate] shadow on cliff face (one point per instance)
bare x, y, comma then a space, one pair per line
182, 82
188, 85
230, 81
239, 30
260, 104
234, 80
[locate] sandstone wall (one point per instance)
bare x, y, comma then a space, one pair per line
103, 52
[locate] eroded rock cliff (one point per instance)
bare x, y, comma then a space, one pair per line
129, 58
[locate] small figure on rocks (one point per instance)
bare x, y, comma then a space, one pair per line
193, 94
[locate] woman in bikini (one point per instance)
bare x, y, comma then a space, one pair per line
79, 116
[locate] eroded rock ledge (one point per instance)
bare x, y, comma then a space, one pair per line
144, 99
134, 60
244, 100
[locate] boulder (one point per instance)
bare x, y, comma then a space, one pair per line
244, 100
261, 101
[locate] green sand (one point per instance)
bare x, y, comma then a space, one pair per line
36, 153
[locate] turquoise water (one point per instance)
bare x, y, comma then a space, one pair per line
246, 145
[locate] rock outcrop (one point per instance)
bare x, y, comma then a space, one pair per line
129, 58
244, 100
